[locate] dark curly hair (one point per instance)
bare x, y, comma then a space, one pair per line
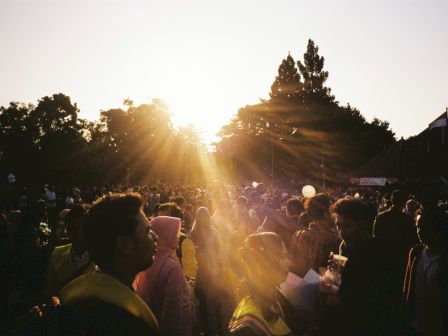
109, 217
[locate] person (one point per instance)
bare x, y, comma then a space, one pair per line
263, 310
411, 208
211, 273
426, 281
242, 220
367, 303
310, 248
396, 230
185, 253
163, 286
69, 261
120, 241
285, 225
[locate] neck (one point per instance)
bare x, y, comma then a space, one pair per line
121, 271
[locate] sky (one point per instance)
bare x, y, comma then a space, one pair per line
207, 58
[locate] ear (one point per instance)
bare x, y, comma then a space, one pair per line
125, 245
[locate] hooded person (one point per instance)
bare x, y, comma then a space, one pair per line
163, 286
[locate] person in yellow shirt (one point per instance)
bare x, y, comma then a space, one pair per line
263, 310
69, 261
120, 241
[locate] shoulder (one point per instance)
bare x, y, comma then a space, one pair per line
383, 214
416, 251
172, 268
61, 250
96, 317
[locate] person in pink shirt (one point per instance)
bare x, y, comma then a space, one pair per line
163, 286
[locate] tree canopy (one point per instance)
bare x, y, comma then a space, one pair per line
301, 131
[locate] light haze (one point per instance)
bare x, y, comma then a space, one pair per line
208, 58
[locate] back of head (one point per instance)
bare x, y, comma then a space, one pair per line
111, 216
180, 202
294, 207
164, 209
74, 215
169, 209
261, 250
318, 206
353, 209
412, 206
398, 198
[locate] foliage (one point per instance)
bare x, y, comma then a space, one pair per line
301, 131
49, 143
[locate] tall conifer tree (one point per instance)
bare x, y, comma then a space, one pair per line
314, 77
287, 84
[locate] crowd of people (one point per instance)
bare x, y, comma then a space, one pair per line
178, 260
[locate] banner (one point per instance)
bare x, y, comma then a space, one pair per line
372, 181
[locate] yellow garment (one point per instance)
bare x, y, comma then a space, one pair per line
249, 315
107, 289
189, 261
61, 269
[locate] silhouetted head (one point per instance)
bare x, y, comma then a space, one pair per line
116, 229
294, 207
318, 207
432, 226
351, 217
398, 199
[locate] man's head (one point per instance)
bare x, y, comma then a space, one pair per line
318, 207
294, 207
398, 199
180, 202
116, 229
352, 219
432, 226
412, 207
74, 220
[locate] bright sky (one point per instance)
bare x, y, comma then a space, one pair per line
207, 58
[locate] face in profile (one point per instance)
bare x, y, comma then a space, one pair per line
347, 228
283, 266
145, 243
425, 231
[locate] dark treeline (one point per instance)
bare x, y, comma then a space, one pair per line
49, 143
301, 130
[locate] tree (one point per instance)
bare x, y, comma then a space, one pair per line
287, 84
314, 77
17, 140
300, 128
60, 139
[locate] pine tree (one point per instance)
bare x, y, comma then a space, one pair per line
313, 76
287, 84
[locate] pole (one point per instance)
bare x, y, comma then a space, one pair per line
322, 165
272, 160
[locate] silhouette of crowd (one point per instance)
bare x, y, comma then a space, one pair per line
222, 260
